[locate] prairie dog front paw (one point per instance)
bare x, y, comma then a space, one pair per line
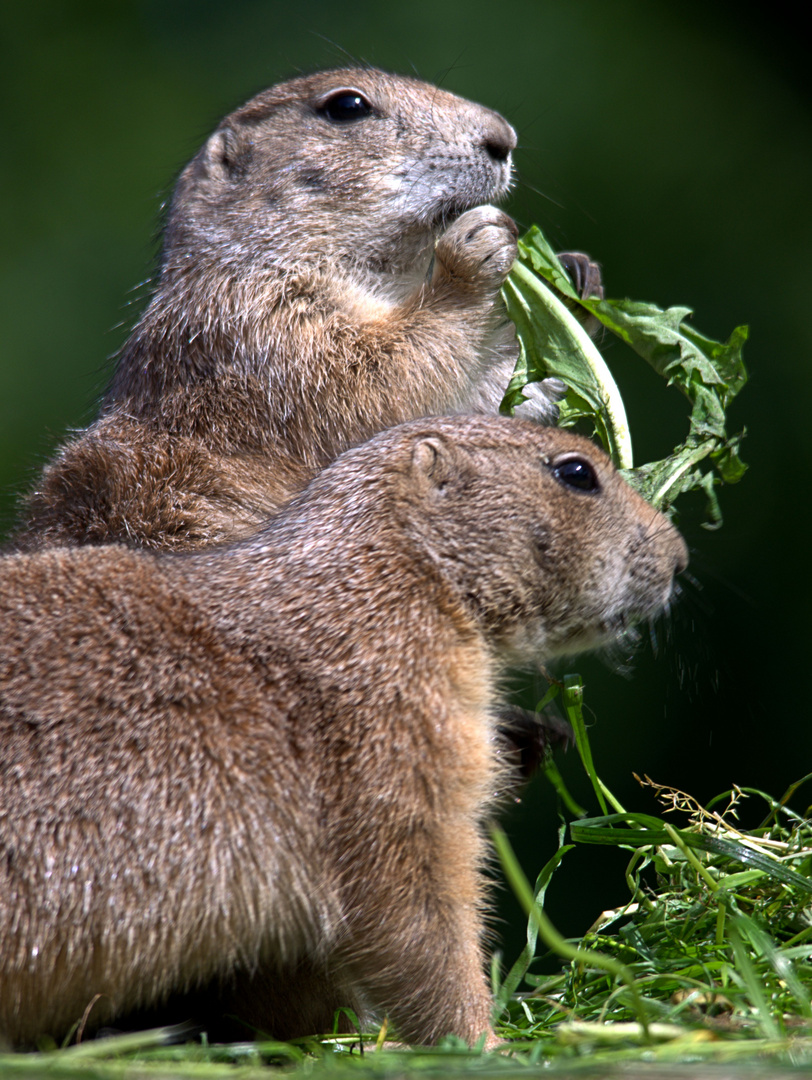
478, 249
588, 281
584, 274
541, 401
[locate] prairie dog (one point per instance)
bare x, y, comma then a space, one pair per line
278, 755
331, 267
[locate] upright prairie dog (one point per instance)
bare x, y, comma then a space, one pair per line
277, 756
328, 270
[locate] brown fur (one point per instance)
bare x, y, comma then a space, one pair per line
266, 767
320, 281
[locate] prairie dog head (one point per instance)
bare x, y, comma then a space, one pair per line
543, 542
354, 163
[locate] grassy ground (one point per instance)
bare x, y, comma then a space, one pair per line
707, 968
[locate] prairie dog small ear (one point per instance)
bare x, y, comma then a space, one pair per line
226, 155
433, 462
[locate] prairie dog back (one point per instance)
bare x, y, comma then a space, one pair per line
225, 765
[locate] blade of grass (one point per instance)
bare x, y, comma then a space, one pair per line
520, 967
550, 770
573, 700
550, 936
762, 942
749, 977
655, 832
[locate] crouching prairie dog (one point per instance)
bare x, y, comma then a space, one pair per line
264, 768
330, 268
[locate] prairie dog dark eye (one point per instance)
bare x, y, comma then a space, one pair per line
345, 106
576, 473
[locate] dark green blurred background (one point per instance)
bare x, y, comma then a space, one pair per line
670, 140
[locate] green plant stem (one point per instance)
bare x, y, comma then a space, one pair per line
529, 303
573, 700
677, 840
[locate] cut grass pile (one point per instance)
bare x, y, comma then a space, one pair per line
710, 959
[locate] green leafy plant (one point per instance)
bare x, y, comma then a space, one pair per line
553, 343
